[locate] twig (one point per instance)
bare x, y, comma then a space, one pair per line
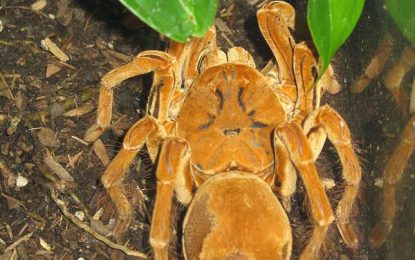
62, 206
18, 241
80, 140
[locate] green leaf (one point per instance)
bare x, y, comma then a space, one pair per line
330, 23
403, 12
177, 19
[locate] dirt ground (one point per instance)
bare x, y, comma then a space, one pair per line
48, 100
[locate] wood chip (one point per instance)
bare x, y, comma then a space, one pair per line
98, 214
73, 160
39, 5
8, 175
47, 137
119, 56
221, 25
58, 169
21, 101
101, 152
52, 69
79, 111
49, 45
5, 90
56, 110
9, 231
44, 244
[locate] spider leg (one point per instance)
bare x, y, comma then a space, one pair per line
164, 81
189, 57
303, 63
146, 129
300, 153
375, 66
391, 176
394, 78
327, 122
198, 48
173, 174
305, 72
274, 20
285, 174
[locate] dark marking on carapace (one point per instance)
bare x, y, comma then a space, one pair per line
232, 131
251, 113
225, 76
256, 124
232, 74
208, 124
219, 94
240, 101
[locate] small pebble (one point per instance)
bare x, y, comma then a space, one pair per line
328, 183
39, 5
80, 215
379, 182
21, 181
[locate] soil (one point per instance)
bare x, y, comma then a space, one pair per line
46, 105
